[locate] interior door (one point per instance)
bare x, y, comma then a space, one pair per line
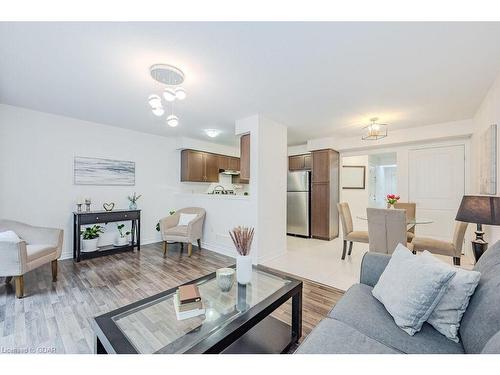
436, 185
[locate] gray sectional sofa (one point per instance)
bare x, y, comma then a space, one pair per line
360, 324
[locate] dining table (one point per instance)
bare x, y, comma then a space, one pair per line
410, 223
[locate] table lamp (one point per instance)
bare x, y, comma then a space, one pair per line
479, 210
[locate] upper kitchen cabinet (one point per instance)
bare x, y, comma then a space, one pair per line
244, 158
198, 166
299, 162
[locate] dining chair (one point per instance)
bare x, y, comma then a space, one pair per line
452, 249
349, 234
411, 213
386, 229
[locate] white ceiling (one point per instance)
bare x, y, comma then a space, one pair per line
319, 79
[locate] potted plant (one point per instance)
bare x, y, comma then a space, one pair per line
242, 238
90, 238
122, 238
133, 201
392, 199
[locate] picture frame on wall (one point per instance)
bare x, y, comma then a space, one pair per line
98, 171
353, 177
488, 161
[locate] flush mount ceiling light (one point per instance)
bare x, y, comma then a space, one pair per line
212, 133
375, 130
167, 74
171, 77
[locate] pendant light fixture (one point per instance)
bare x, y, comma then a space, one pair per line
172, 78
375, 131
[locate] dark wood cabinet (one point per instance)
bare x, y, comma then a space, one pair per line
245, 158
299, 162
233, 163
199, 166
192, 166
308, 162
325, 194
211, 167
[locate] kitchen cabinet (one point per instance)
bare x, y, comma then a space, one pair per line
299, 162
223, 162
233, 164
199, 166
325, 194
244, 158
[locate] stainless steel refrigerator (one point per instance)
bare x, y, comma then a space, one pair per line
299, 203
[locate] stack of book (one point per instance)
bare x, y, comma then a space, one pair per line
187, 302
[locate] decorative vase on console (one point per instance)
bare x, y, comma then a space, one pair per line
242, 238
133, 201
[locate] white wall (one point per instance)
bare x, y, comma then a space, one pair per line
487, 114
268, 178
36, 170
357, 198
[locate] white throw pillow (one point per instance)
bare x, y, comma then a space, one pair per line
9, 236
410, 288
448, 312
185, 219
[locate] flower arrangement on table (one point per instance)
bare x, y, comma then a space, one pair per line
392, 199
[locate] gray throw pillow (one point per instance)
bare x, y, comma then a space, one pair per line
410, 288
448, 312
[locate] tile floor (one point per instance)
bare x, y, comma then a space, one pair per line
320, 261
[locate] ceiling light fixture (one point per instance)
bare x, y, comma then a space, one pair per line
169, 95
172, 121
180, 93
375, 131
159, 111
212, 133
154, 101
172, 77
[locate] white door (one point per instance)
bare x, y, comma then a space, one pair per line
436, 185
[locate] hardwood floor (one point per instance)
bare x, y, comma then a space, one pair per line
55, 317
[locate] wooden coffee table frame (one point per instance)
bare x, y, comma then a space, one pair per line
254, 331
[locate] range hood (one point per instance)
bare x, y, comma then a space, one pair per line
230, 172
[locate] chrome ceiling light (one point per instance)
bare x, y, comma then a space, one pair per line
172, 78
375, 131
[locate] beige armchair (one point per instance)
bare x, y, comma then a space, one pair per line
386, 229
411, 211
37, 247
171, 231
452, 249
349, 234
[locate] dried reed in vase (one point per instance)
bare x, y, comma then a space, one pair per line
242, 238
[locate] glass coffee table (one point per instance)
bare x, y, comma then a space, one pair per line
237, 321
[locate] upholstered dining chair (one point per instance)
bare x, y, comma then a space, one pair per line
411, 211
349, 234
452, 249
386, 229
193, 231
36, 246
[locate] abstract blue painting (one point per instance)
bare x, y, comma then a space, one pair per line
95, 171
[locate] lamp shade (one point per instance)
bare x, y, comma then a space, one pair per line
479, 209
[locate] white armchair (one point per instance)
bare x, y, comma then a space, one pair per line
171, 231
38, 246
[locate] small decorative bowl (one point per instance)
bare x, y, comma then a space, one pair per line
225, 278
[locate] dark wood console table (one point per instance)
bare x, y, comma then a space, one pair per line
96, 217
